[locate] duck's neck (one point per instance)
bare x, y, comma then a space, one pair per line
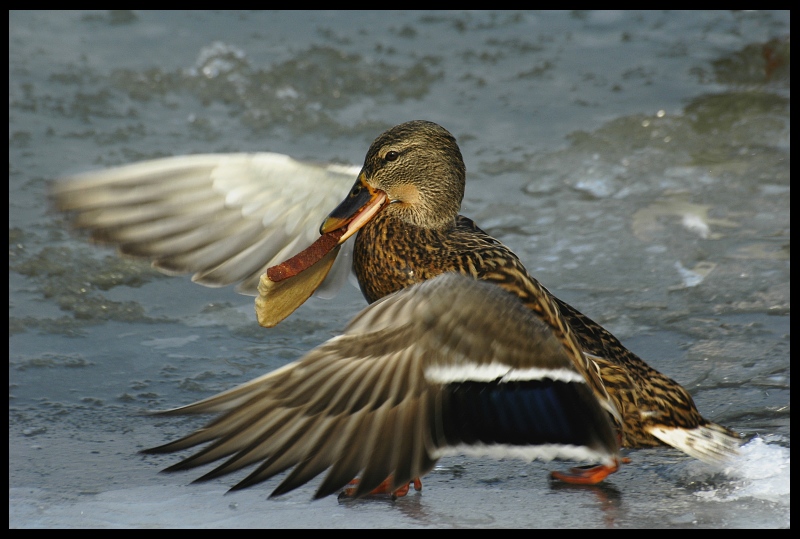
390, 254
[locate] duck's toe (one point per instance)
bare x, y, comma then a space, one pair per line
384, 488
586, 475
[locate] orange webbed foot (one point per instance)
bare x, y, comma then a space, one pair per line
384, 488
587, 475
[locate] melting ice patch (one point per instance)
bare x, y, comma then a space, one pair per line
170, 342
695, 276
761, 471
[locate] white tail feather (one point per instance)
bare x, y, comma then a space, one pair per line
709, 443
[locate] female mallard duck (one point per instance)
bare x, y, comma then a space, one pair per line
438, 363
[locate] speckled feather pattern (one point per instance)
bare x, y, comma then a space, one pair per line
461, 349
644, 397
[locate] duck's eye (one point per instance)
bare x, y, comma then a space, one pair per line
391, 156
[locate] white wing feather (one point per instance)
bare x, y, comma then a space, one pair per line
225, 218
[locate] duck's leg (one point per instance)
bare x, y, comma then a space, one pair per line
350, 490
586, 475
591, 475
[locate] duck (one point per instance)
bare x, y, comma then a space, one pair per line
459, 350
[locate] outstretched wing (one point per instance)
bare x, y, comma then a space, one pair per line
225, 218
446, 366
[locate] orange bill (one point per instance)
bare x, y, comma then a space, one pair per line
361, 205
286, 286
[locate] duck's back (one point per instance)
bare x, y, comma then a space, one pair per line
390, 255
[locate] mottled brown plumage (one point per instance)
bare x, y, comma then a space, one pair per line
488, 364
419, 235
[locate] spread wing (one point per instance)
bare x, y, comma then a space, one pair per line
224, 218
446, 366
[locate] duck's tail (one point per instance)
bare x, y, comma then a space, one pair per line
710, 442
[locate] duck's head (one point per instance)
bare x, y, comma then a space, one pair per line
413, 171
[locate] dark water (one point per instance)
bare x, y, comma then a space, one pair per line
637, 162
